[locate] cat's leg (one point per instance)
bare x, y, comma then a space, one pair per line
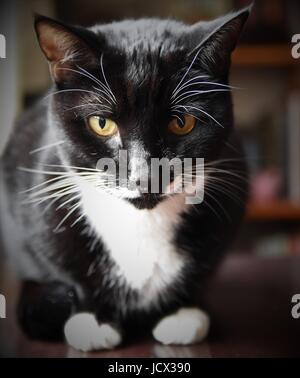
186, 326
85, 333
43, 309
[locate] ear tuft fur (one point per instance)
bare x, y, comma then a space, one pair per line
219, 38
62, 46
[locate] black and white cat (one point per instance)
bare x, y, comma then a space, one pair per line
97, 260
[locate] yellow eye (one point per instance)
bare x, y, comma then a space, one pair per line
102, 126
178, 128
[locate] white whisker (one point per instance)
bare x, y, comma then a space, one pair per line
89, 105
56, 199
31, 170
46, 147
73, 167
231, 173
174, 93
106, 82
200, 110
190, 94
40, 185
67, 201
208, 193
224, 190
213, 210
96, 95
188, 70
72, 210
99, 82
64, 187
102, 92
204, 83
54, 192
77, 220
110, 100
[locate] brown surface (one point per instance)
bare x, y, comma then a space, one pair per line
264, 55
250, 304
281, 210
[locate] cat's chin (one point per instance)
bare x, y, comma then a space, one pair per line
146, 201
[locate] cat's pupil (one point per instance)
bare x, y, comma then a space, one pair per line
102, 122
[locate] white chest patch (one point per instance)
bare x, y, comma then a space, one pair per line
139, 241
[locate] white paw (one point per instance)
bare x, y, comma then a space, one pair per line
186, 326
83, 333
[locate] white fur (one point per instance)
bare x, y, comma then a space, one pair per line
139, 241
187, 326
138, 162
83, 332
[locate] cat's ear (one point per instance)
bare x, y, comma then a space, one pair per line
218, 39
63, 46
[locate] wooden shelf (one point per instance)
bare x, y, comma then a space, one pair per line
264, 55
278, 211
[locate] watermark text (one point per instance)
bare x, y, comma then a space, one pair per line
2, 47
296, 47
2, 307
163, 176
296, 306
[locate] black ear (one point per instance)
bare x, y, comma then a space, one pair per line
218, 40
63, 46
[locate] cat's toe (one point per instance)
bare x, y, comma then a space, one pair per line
84, 333
186, 326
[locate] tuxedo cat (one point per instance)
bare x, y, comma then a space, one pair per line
99, 260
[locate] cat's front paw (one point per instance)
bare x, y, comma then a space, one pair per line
84, 333
186, 326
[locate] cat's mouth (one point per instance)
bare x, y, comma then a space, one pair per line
146, 201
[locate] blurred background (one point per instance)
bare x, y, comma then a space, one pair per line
267, 109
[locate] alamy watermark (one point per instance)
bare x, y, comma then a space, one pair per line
296, 47
2, 47
163, 176
2, 307
296, 306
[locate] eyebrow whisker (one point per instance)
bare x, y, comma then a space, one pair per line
198, 109
189, 94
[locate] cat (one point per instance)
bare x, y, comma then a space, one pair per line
98, 260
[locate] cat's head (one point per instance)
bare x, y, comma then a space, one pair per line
155, 88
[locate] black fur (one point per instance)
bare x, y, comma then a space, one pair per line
144, 61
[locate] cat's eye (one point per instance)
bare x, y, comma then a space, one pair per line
102, 126
182, 126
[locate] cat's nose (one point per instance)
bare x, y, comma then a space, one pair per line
136, 180
143, 185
